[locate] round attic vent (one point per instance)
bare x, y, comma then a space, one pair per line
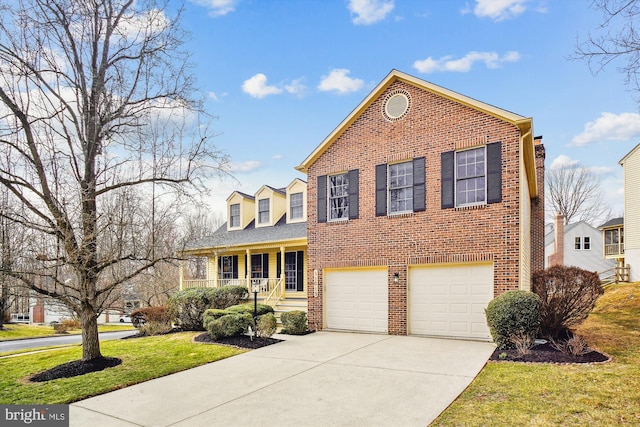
396, 105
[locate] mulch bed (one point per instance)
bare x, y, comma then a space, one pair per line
243, 341
545, 353
75, 368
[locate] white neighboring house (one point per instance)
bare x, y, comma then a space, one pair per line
631, 172
581, 246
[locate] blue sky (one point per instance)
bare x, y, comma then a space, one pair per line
280, 75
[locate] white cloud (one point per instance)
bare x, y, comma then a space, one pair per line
369, 11
609, 127
498, 10
277, 156
337, 80
244, 167
464, 64
296, 87
257, 87
217, 7
564, 161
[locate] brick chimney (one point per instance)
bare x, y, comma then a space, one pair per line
557, 258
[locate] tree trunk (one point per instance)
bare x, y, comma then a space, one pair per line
90, 340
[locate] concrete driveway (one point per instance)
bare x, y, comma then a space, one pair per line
321, 379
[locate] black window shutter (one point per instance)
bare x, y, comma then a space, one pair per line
235, 266
265, 266
381, 190
447, 177
353, 190
494, 172
300, 271
278, 266
322, 198
219, 267
419, 190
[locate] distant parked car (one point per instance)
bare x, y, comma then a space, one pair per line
125, 319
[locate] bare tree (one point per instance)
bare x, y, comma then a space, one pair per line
97, 118
616, 38
576, 193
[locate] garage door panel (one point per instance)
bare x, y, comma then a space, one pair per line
367, 296
449, 300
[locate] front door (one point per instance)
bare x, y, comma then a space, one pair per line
293, 271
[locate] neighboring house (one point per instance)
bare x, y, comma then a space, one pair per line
423, 205
631, 171
613, 249
263, 246
578, 245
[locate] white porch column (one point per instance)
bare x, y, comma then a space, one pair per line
181, 275
248, 276
282, 273
216, 271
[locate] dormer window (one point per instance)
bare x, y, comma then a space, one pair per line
234, 215
263, 211
295, 210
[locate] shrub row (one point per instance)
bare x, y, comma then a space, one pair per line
237, 319
187, 307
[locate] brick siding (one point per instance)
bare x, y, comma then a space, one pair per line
433, 125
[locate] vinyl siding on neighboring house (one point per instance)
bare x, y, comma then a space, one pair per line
631, 166
590, 259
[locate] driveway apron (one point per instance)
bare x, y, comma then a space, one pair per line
320, 379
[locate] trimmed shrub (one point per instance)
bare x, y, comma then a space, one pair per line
188, 306
514, 318
155, 320
229, 325
266, 325
568, 295
71, 324
294, 322
248, 308
230, 295
212, 314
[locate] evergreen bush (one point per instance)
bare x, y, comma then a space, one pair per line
294, 322
513, 318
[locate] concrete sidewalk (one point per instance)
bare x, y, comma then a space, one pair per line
321, 379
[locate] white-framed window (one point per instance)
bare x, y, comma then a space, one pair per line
400, 187
234, 215
295, 208
587, 243
578, 243
227, 268
263, 211
583, 243
470, 176
338, 196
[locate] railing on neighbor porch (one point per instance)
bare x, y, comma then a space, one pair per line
616, 274
613, 249
270, 289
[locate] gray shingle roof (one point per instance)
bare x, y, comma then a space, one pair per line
611, 222
250, 235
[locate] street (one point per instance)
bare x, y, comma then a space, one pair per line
58, 340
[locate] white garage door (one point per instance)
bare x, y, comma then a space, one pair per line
449, 300
356, 299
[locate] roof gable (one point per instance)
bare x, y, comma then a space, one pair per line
524, 124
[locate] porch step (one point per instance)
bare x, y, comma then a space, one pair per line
289, 304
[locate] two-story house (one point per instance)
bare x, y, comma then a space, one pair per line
263, 243
423, 205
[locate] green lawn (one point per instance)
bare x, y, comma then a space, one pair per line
13, 331
518, 394
143, 359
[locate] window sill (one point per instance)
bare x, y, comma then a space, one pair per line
470, 207
400, 214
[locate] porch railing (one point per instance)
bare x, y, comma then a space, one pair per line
614, 249
269, 288
275, 295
